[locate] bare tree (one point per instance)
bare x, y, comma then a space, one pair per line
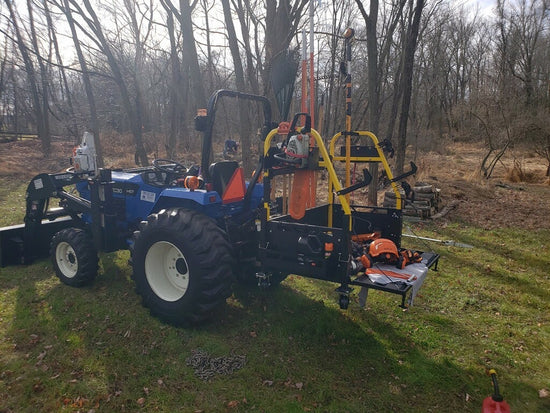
94, 124
64, 83
408, 63
99, 38
282, 19
176, 91
40, 104
374, 70
521, 28
246, 142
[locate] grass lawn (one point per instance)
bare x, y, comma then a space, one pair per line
97, 349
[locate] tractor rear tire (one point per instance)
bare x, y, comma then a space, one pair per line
74, 257
182, 266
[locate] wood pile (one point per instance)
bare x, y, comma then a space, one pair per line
427, 200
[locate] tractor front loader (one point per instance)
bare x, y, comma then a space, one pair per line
194, 230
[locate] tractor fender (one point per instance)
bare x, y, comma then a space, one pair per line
207, 202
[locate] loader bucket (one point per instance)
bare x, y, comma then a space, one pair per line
12, 242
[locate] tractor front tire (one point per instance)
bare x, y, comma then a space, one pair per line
74, 257
182, 266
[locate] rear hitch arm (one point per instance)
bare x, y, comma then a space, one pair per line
367, 178
413, 170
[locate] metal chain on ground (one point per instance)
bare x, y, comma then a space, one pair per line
206, 367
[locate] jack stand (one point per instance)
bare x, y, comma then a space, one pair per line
343, 300
264, 280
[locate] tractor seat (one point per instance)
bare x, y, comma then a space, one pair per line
221, 173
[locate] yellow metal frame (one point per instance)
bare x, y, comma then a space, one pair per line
348, 159
327, 159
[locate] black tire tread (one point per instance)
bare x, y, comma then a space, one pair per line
212, 250
85, 251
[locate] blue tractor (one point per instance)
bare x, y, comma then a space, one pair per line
193, 231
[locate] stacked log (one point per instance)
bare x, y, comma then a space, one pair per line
427, 200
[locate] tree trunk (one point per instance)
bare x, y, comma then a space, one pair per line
246, 144
371, 20
31, 77
176, 105
44, 107
281, 23
135, 121
407, 85
190, 56
251, 69
94, 124
73, 128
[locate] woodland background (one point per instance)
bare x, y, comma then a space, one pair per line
463, 93
425, 72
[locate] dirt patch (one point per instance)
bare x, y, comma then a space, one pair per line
487, 203
24, 158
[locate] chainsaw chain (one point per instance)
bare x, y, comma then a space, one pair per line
206, 367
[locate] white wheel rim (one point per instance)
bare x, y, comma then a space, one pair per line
167, 271
66, 259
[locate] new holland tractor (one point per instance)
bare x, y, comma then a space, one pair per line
194, 231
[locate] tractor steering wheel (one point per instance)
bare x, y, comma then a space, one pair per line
169, 166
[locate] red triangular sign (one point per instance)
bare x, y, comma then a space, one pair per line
236, 188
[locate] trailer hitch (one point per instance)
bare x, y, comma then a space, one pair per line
264, 280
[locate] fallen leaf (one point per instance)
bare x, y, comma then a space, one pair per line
141, 401
146, 391
232, 404
267, 383
38, 387
544, 393
299, 385
253, 334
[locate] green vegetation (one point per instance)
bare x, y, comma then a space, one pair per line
97, 348
12, 201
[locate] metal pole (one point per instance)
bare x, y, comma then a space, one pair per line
304, 73
311, 67
348, 36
